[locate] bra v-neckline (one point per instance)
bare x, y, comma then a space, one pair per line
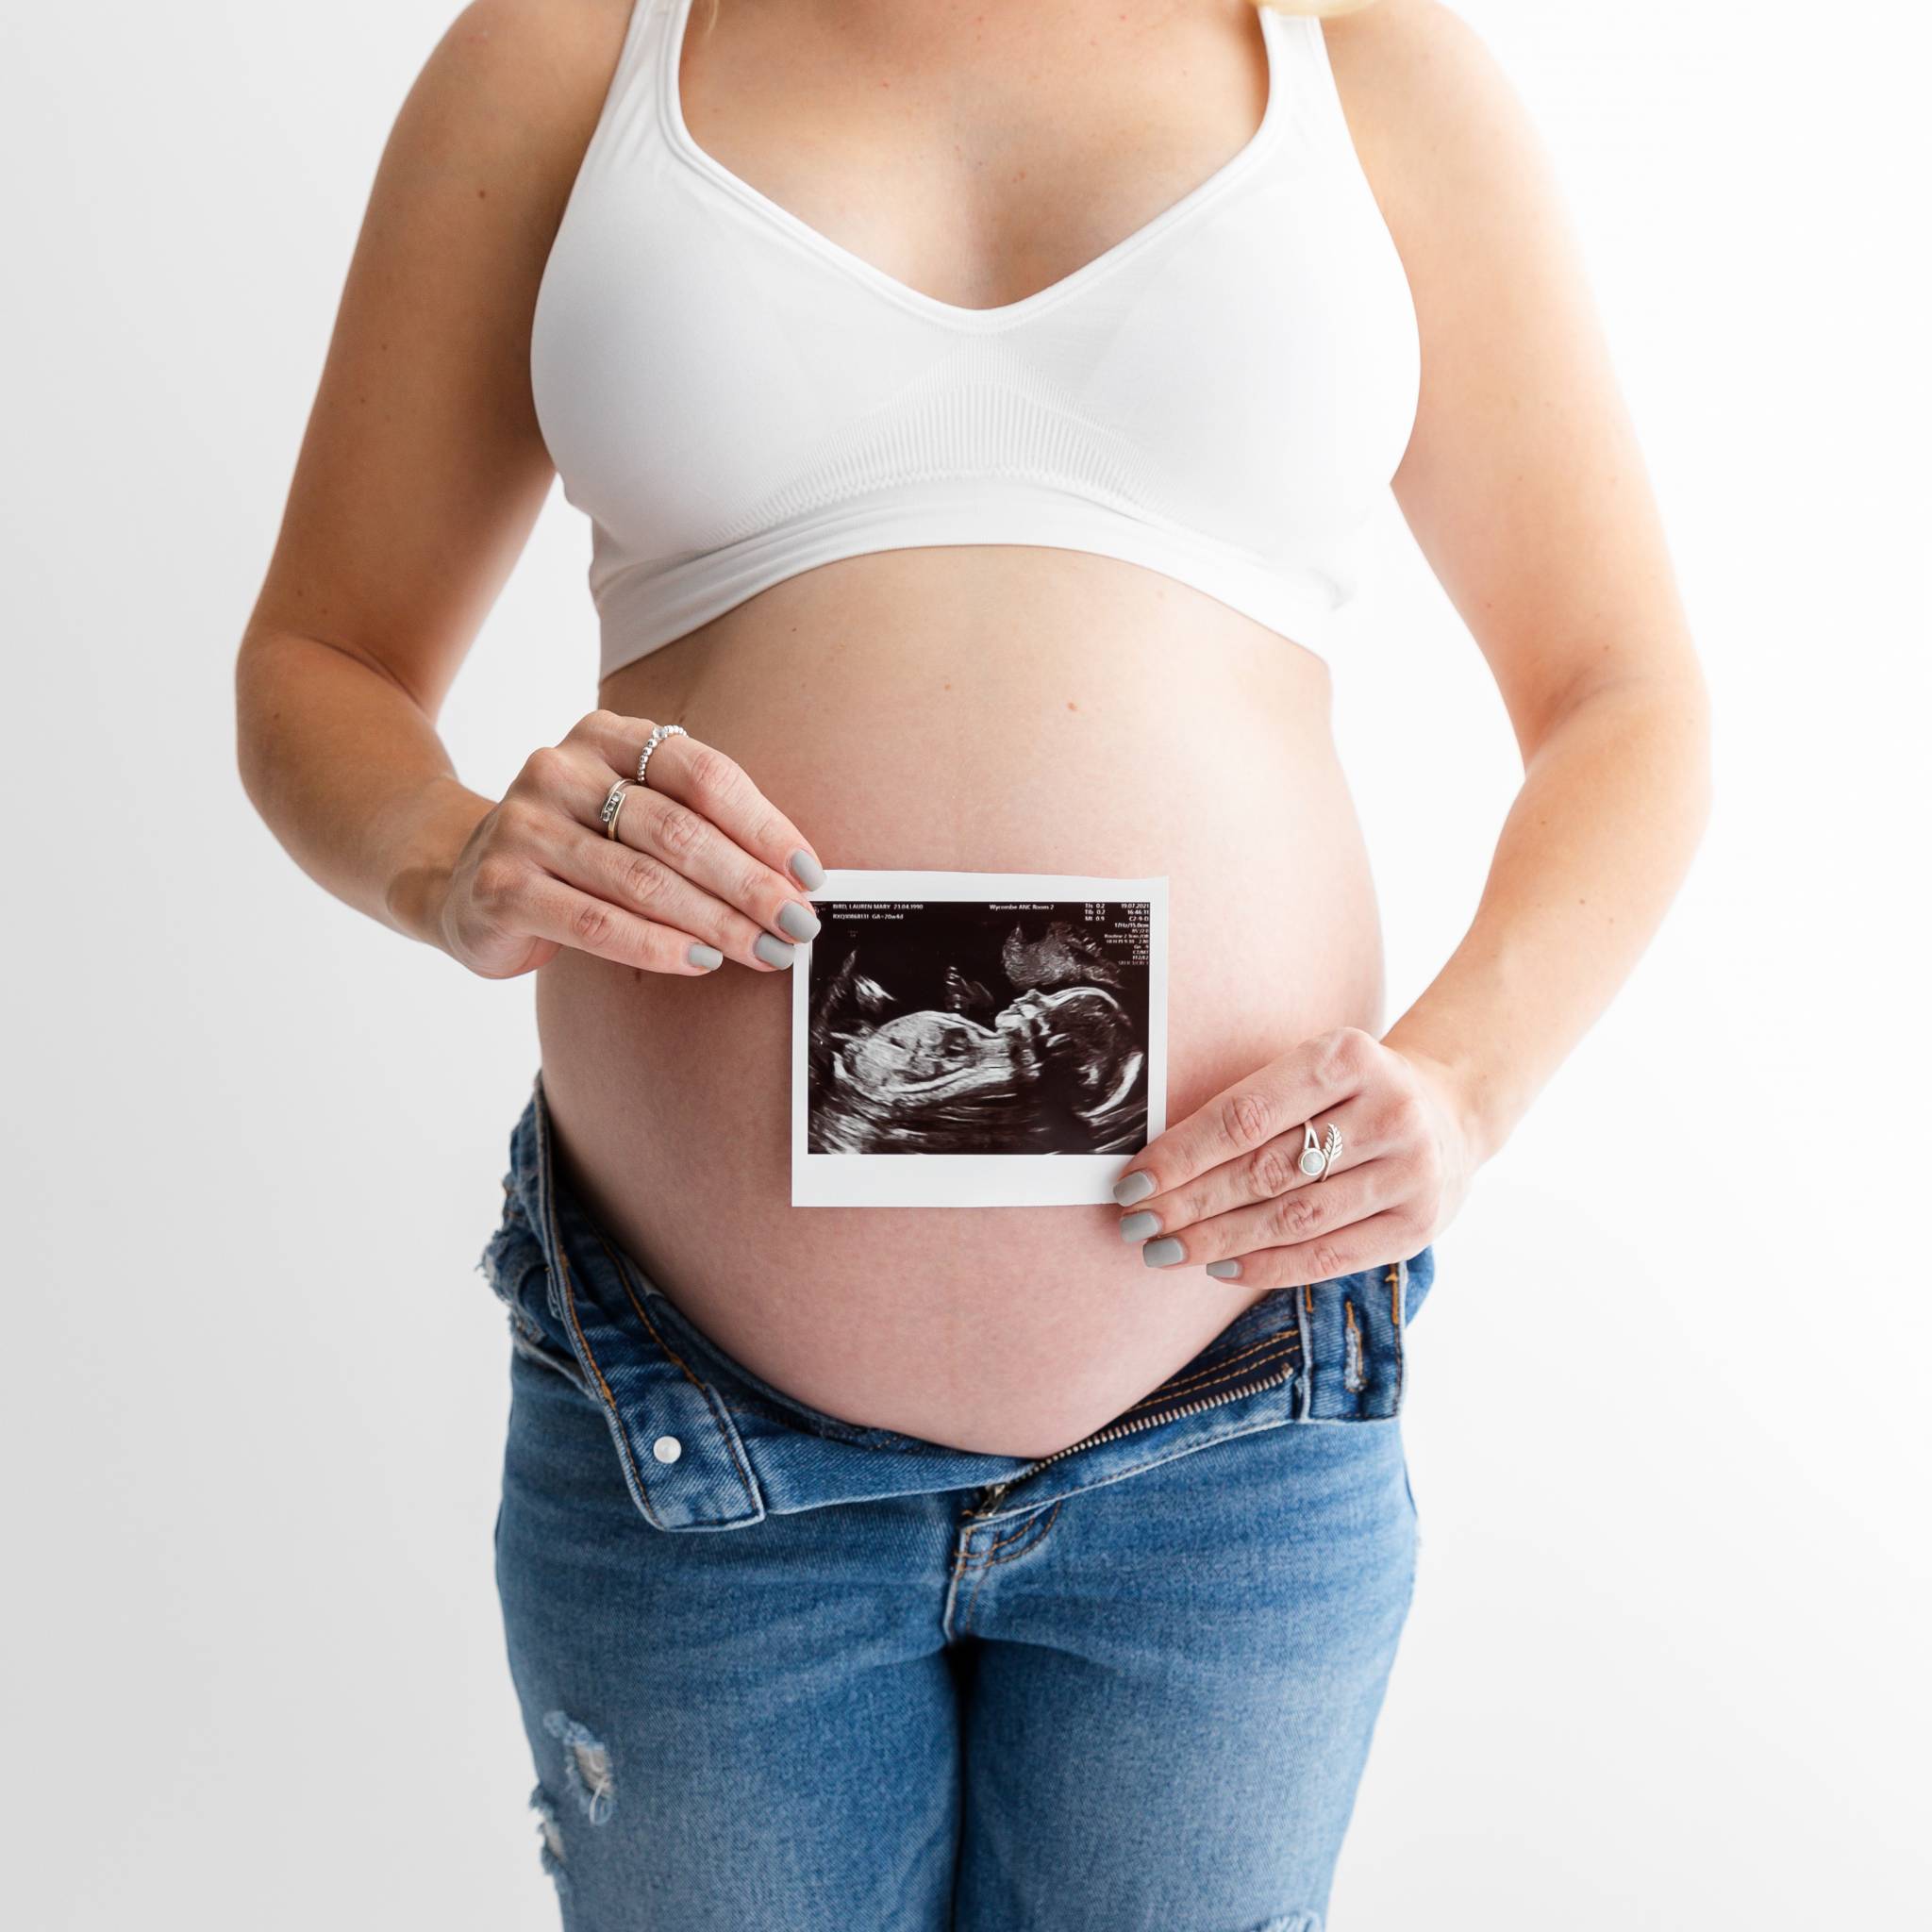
1246, 157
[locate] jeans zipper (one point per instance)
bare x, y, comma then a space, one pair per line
990, 1499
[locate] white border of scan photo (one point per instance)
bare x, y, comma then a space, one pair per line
975, 1180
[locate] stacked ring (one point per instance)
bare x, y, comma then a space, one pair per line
613, 804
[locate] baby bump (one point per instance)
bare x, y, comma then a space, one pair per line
1200, 754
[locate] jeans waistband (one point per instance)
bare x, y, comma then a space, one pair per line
707, 1444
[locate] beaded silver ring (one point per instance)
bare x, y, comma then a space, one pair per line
652, 742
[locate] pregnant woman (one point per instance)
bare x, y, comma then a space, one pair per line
976, 411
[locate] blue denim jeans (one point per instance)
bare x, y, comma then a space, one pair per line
781, 1670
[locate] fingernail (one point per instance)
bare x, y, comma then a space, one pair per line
801, 922
1136, 1227
773, 952
1225, 1270
1133, 1187
807, 870
710, 957
1162, 1254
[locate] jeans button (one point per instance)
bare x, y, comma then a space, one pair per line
667, 1448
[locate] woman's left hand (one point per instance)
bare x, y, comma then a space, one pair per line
1227, 1187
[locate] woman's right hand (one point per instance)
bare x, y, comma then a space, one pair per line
704, 867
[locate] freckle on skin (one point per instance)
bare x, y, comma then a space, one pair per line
1071, 705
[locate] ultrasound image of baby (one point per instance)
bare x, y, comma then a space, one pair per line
963, 1027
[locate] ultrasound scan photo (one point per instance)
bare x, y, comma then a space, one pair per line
958, 1043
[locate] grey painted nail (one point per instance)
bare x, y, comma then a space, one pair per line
1162, 1254
801, 922
1136, 1227
1225, 1270
710, 957
1133, 1187
773, 952
807, 870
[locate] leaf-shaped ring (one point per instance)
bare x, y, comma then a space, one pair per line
1317, 1156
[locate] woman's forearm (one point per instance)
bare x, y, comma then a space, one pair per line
347, 771
1613, 805
343, 761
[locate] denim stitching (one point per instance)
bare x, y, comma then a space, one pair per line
1285, 1347
960, 1563
1035, 1521
570, 1306
966, 1558
1399, 1366
1053, 1509
611, 1254
545, 1183
1031, 1521
704, 1387
1179, 1384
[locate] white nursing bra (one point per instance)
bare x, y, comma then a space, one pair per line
733, 398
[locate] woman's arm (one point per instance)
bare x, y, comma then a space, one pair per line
420, 476
1527, 490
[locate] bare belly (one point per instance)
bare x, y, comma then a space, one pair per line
988, 708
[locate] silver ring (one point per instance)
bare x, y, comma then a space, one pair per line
613, 804
652, 742
1317, 1156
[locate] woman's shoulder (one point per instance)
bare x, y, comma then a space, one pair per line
480, 162
1394, 58
1442, 132
423, 463
521, 79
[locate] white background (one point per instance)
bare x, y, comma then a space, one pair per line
1665, 1668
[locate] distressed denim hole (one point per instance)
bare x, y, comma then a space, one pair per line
549, 1837
586, 1766
1353, 1377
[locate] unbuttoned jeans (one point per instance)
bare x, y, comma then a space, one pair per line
780, 1671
